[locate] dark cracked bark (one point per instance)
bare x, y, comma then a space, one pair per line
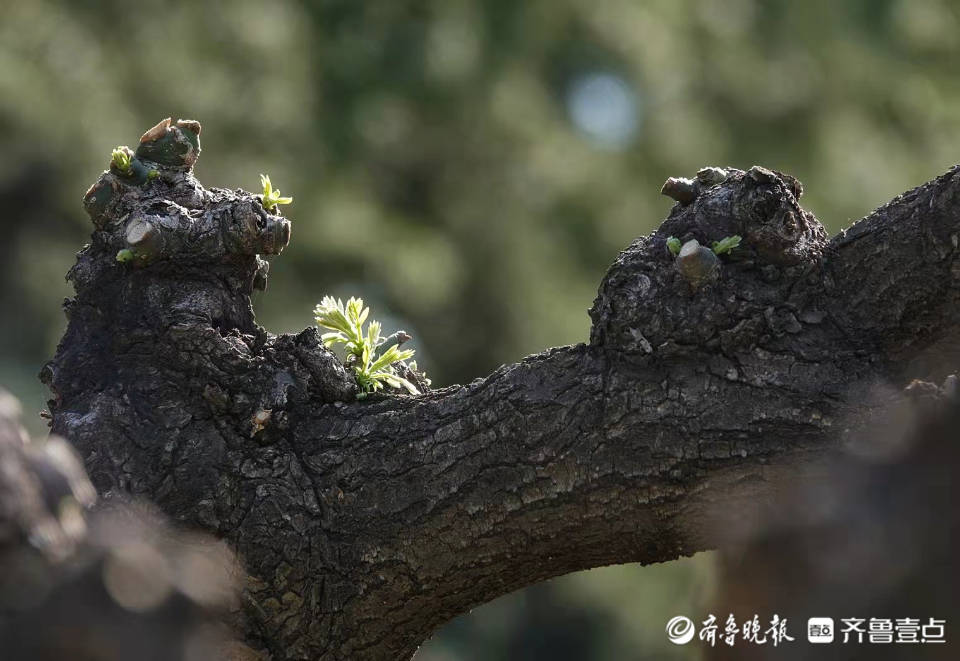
707, 387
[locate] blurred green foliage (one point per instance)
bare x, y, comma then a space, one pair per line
504, 151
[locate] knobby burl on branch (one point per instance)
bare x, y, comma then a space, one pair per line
709, 383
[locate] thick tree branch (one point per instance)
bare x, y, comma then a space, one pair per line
894, 276
364, 525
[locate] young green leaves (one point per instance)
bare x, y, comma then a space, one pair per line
726, 244
345, 323
673, 245
271, 198
122, 160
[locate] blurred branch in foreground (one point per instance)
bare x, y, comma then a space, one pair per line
110, 584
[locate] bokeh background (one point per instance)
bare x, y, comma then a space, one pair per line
470, 168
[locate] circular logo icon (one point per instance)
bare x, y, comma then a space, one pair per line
680, 630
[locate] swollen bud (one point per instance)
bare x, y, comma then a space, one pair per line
698, 265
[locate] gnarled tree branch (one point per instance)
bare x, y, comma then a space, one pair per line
365, 525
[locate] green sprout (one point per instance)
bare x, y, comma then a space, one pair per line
122, 160
153, 174
673, 245
421, 373
371, 371
271, 198
726, 244
125, 255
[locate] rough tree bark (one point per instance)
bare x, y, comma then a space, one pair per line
707, 386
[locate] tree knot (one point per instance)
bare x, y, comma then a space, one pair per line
729, 250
